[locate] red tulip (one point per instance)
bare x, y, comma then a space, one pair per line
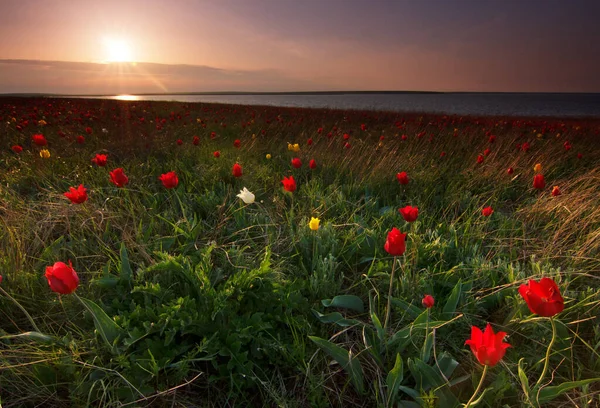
363, 127
169, 180
539, 182
100, 160
179, 142
492, 139
237, 143
486, 152
118, 177
510, 170
39, 140
346, 136
312, 164
479, 159
567, 146
395, 244
289, 184
442, 154
320, 130
236, 170
543, 298
77, 195
88, 130
404, 137
409, 213
62, 278
487, 211
402, 178
487, 346
525, 147
556, 191
80, 139
428, 301
579, 155
309, 142
196, 141
213, 135
347, 145
17, 149
381, 138
296, 163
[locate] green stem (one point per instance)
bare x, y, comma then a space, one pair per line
389, 302
22, 309
485, 367
547, 360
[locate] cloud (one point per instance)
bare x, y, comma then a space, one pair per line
64, 77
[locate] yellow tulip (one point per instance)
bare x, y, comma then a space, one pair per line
537, 168
296, 147
268, 156
314, 223
44, 153
42, 122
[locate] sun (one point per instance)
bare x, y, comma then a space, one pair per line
117, 50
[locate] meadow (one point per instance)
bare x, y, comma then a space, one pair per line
166, 284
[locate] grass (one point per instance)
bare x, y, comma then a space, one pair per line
205, 301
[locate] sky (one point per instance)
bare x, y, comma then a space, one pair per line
134, 46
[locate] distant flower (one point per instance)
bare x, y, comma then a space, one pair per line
363, 127
409, 213
404, 137
428, 301
62, 278
395, 243
487, 346
347, 145
320, 130
543, 298
179, 142
17, 149
314, 223
567, 146
296, 163
289, 184
510, 170
442, 154
77, 195
556, 191
236, 170
246, 196
105, 131
217, 154
42, 122
237, 143
487, 211
486, 152
88, 130
45, 154
100, 160
296, 147
169, 180
537, 168
492, 139
213, 135
118, 177
39, 140
196, 141
268, 156
579, 155
80, 139
312, 164
402, 178
479, 159
539, 182
525, 147
309, 142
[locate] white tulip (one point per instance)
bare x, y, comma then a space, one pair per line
246, 196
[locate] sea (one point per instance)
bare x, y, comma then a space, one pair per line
482, 104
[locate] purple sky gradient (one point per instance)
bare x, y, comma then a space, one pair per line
271, 45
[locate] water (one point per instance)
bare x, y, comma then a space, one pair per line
503, 104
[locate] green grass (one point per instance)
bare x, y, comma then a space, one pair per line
216, 303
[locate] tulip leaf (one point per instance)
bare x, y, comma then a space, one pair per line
549, 393
428, 377
393, 380
523, 378
412, 310
452, 302
126, 273
108, 329
336, 318
345, 302
31, 335
345, 359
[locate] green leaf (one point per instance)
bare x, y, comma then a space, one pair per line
394, 379
345, 359
336, 318
378, 327
427, 378
108, 329
549, 393
452, 302
523, 378
346, 302
31, 335
412, 310
126, 273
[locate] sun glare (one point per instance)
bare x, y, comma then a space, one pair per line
118, 51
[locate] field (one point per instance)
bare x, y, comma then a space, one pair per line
186, 295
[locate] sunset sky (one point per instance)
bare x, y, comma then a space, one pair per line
70, 46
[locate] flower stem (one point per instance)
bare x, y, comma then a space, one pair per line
389, 302
547, 360
22, 309
485, 367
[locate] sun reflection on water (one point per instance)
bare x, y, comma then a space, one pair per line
127, 98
